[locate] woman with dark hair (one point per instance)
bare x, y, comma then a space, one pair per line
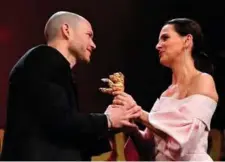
179, 121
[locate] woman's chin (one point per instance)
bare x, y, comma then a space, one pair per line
164, 62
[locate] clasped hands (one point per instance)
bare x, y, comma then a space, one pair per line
123, 111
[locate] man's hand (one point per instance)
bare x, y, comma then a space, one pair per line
120, 116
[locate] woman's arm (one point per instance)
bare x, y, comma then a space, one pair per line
145, 121
127, 101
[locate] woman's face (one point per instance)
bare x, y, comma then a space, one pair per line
170, 45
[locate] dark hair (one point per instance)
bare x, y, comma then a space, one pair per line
185, 26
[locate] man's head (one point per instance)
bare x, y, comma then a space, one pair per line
73, 31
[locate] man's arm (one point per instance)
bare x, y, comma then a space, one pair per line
58, 117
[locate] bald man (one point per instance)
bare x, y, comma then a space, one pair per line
43, 119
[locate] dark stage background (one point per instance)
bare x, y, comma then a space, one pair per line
126, 32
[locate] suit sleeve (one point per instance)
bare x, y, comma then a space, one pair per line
57, 116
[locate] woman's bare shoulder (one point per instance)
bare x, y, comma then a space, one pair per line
204, 84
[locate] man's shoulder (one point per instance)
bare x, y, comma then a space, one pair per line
35, 58
39, 51
32, 52
37, 55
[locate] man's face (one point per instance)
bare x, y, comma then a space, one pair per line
81, 42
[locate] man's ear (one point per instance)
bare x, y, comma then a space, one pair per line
65, 29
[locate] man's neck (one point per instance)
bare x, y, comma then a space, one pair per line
61, 47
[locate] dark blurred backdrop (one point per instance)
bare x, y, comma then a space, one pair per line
126, 32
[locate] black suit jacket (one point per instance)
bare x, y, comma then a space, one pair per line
43, 120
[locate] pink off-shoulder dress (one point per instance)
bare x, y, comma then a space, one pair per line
186, 123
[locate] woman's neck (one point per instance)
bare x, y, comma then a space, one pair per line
183, 71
